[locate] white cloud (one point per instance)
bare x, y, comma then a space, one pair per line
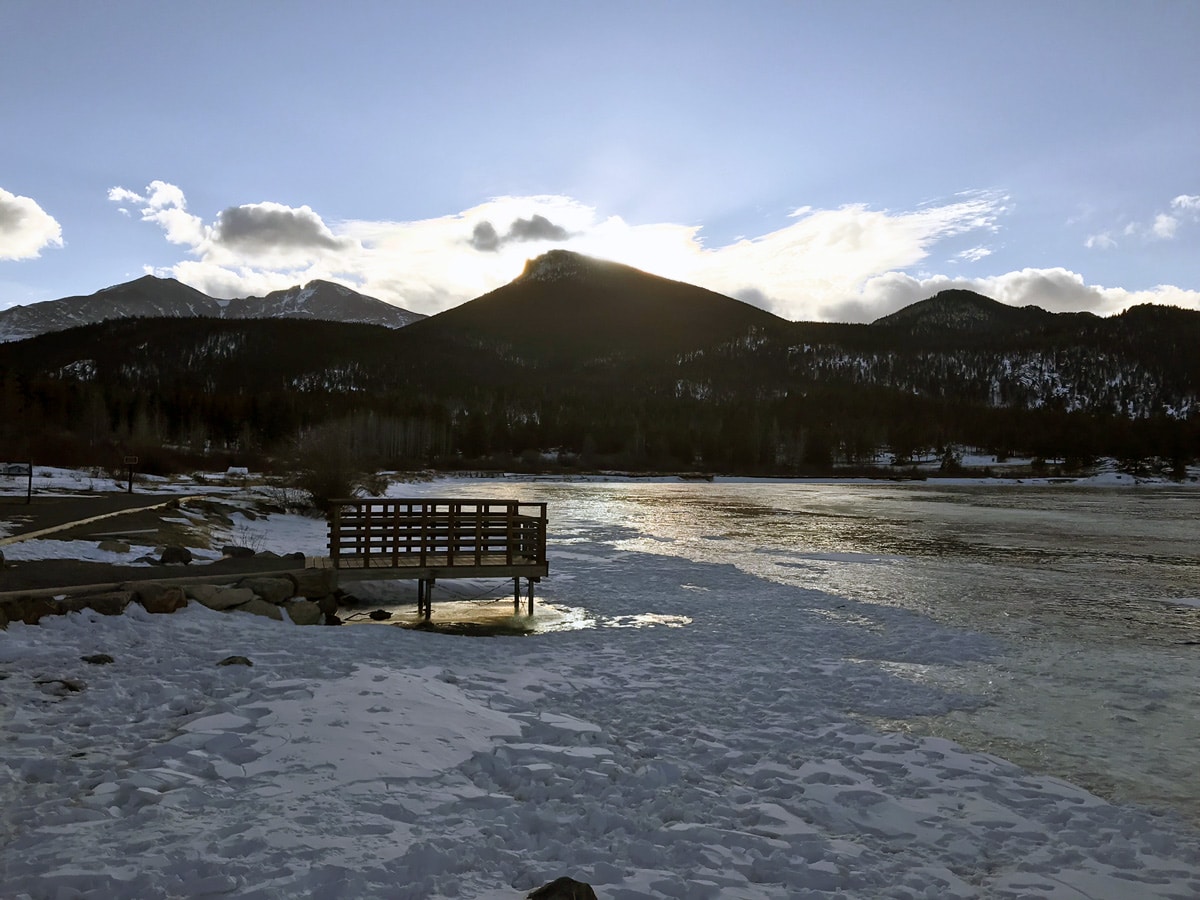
974, 254
844, 264
1103, 241
1164, 226
25, 228
1054, 289
1187, 202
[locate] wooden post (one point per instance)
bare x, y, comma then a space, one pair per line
531, 596
516, 595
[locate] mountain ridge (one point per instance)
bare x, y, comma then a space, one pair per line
151, 296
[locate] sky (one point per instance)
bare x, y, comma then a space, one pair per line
829, 161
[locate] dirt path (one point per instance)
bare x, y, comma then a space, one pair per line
87, 516
46, 515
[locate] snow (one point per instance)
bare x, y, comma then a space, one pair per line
709, 738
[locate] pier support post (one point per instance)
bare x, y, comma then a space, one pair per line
516, 595
425, 598
531, 596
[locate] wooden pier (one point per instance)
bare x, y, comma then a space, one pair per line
427, 540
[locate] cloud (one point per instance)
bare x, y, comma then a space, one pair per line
1103, 241
852, 263
254, 243
535, 228
1054, 289
1164, 226
267, 227
484, 237
1187, 202
25, 228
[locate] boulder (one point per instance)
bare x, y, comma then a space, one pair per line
113, 546
97, 659
313, 584
259, 607
110, 603
236, 552
328, 605
563, 889
235, 661
225, 598
1, 559
3, 616
160, 598
303, 612
175, 556
30, 609
273, 590
201, 592
379, 615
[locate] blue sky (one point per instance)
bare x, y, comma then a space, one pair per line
826, 160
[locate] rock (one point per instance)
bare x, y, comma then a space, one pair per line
273, 590
201, 592
226, 598
380, 615
303, 612
29, 609
113, 546
563, 889
328, 605
1, 559
166, 599
331, 619
175, 556
97, 659
313, 584
260, 607
237, 552
110, 603
266, 554
298, 556
61, 686
3, 617
235, 661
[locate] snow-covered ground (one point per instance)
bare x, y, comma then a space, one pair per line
728, 757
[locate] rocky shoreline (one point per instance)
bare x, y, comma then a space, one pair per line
303, 597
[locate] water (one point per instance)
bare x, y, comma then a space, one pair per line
1091, 592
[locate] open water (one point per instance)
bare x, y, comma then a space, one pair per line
1092, 593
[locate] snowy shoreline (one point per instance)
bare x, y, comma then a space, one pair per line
725, 758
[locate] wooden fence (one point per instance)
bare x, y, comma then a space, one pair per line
504, 535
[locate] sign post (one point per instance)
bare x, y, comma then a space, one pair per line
29, 484
130, 462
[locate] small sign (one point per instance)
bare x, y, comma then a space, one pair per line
131, 460
16, 470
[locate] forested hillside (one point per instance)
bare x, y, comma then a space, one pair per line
591, 364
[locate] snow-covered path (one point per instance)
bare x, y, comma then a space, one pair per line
725, 758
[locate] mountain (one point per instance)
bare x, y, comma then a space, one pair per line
153, 297
566, 306
587, 360
321, 300
963, 311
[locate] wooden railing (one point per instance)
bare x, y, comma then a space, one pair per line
443, 533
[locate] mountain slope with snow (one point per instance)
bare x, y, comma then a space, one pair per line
153, 297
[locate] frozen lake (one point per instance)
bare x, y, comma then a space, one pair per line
1091, 594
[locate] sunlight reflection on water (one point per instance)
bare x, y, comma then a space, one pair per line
1093, 592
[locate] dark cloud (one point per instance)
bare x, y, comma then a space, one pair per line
263, 226
484, 237
535, 228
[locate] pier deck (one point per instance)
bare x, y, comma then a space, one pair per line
428, 540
